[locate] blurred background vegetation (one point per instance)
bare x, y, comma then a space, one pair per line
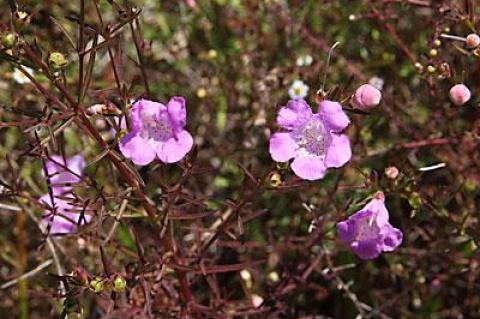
234, 62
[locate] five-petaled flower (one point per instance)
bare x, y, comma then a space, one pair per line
157, 131
298, 90
368, 231
314, 141
62, 216
64, 172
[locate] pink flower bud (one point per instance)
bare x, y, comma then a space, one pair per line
366, 97
460, 94
472, 41
392, 172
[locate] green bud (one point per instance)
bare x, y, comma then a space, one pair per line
119, 284
57, 60
415, 200
9, 39
96, 284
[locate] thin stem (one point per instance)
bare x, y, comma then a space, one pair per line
327, 65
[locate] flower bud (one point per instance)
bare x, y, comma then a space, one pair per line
9, 39
119, 284
366, 97
460, 94
392, 172
57, 60
472, 41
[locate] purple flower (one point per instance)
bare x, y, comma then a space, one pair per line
62, 172
368, 231
61, 215
314, 141
157, 131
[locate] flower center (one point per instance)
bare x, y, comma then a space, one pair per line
367, 228
156, 127
312, 138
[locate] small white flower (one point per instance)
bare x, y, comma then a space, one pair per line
298, 90
304, 60
21, 78
300, 61
377, 82
308, 59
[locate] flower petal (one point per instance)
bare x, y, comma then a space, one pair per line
142, 108
174, 149
63, 172
367, 249
177, 113
309, 168
377, 206
76, 164
338, 150
346, 230
59, 216
282, 147
332, 113
294, 114
137, 149
392, 238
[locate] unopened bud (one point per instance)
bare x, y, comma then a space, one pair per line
201, 93
431, 69
460, 94
472, 41
57, 60
119, 284
9, 39
392, 172
366, 97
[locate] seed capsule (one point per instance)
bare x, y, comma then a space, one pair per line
119, 284
57, 60
9, 39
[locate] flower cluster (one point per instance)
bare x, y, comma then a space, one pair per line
315, 142
61, 216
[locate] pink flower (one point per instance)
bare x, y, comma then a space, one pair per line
61, 215
157, 131
460, 94
314, 141
366, 97
368, 232
64, 172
